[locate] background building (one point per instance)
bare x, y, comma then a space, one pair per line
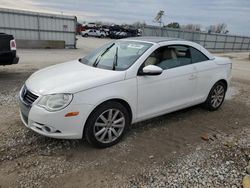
39, 30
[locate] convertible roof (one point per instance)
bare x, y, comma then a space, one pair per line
157, 40
154, 39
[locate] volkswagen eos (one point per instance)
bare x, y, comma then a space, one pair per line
125, 81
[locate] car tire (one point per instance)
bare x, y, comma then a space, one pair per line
216, 96
102, 36
107, 124
86, 35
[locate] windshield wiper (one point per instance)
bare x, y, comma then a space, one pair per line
115, 58
99, 57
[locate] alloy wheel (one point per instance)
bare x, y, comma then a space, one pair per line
109, 126
217, 96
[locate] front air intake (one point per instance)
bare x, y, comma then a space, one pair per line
28, 97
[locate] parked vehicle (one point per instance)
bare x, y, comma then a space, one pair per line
79, 28
91, 25
123, 33
118, 35
93, 33
8, 50
105, 28
124, 82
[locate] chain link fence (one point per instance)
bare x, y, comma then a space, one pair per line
211, 41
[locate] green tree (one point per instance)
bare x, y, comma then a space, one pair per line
175, 25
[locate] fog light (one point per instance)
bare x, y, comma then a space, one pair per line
47, 129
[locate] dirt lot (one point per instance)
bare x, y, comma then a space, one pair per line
164, 152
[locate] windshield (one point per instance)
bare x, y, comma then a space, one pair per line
117, 55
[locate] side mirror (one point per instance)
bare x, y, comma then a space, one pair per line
151, 70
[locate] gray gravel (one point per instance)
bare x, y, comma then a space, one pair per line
220, 162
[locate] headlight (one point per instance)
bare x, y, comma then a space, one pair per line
55, 102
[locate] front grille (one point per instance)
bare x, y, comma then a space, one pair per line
28, 97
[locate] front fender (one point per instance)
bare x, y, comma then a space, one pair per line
125, 90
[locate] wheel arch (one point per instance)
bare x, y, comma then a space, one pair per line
126, 105
119, 100
223, 81
215, 82
207, 103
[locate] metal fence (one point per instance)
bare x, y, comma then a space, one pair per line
213, 42
27, 25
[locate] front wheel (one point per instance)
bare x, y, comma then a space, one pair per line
216, 96
107, 124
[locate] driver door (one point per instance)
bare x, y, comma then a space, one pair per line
171, 90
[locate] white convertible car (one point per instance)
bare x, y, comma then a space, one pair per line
126, 81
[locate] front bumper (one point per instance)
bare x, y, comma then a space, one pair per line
55, 124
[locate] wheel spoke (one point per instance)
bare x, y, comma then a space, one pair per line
119, 120
220, 91
220, 97
100, 124
115, 115
215, 92
214, 103
213, 96
114, 132
104, 134
217, 103
110, 115
109, 135
100, 132
103, 119
118, 125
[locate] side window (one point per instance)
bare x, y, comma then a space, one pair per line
153, 59
168, 57
197, 56
183, 54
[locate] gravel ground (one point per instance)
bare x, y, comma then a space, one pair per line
188, 148
220, 162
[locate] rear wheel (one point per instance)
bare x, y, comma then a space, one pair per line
107, 124
216, 96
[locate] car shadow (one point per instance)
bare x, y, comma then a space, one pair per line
161, 121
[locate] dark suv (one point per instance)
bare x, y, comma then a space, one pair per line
8, 50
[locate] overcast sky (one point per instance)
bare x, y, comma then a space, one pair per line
235, 13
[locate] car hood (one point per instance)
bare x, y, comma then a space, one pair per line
71, 77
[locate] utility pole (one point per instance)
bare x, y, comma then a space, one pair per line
158, 19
